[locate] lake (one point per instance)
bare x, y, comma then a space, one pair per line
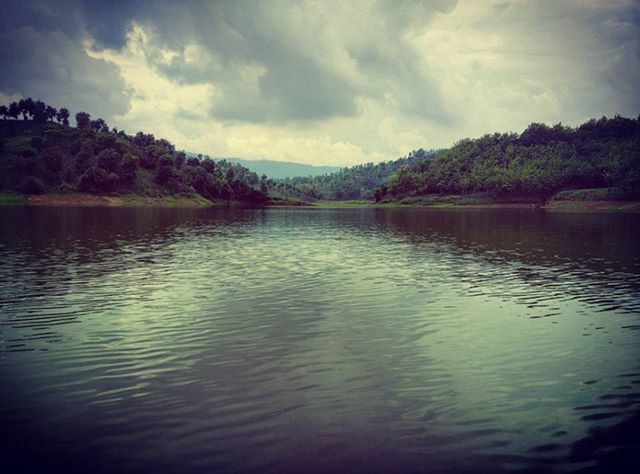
318, 340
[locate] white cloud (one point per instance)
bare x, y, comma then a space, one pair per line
154, 100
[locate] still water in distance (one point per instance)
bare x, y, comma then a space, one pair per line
283, 340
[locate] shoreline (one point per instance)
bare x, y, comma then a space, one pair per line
133, 200
92, 200
553, 206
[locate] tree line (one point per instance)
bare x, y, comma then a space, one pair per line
533, 165
35, 110
538, 163
38, 154
354, 183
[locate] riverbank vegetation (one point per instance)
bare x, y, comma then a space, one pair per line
355, 183
536, 165
602, 156
40, 153
596, 161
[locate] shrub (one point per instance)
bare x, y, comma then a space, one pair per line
97, 180
53, 158
109, 160
84, 160
31, 185
129, 169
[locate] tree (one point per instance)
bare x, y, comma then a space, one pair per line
14, 110
109, 160
166, 175
51, 112
99, 125
26, 107
83, 120
180, 159
31, 185
63, 116
39, 111
209, 165
129, 169
4, 111
84, 160
97, 180
53, 159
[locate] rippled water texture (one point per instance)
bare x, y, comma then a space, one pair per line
373, 340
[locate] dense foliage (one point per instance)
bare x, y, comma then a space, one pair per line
537, 164
357, 182
38, 155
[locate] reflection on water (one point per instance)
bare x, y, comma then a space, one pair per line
319, 339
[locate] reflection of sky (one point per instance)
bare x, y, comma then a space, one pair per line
318, 323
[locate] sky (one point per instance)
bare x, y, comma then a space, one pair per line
325, 82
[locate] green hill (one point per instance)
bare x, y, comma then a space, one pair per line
39, 156
354, 183
600, 157
535, 165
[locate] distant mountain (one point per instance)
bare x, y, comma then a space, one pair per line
282, 169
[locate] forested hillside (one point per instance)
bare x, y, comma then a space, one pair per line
357, 182
38, 155
41, 153
536, 164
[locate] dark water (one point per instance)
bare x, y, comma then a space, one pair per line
318, 340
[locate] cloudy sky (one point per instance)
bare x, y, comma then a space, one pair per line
323, 81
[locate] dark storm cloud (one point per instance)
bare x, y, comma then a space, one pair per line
108, 21
42, 56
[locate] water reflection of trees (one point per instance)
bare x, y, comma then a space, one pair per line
539, 248
535, 237
48, 252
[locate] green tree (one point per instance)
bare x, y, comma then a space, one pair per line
83, 120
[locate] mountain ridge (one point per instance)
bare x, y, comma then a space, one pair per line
276, 169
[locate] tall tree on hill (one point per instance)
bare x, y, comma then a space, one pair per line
63, 116
26, 107
51, 112
99, 125
14, 110
83, 120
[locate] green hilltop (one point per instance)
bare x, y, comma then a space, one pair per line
38, 155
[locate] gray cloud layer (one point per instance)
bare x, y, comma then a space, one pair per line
375, 75
42, 55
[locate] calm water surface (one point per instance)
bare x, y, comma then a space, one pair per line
318, 340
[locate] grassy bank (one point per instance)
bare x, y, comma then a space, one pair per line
605, 199
8, 199
624, 206
578, 201
128, 200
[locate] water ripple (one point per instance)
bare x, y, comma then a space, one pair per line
310, 340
